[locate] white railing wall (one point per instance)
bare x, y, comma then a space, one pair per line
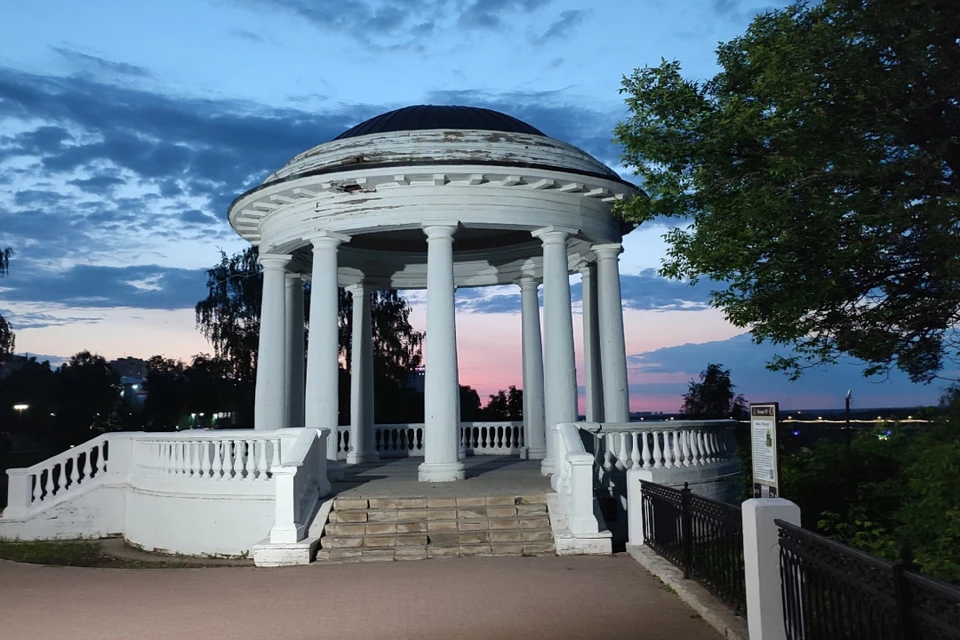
231, 456
406, 440
300, 482
663, 445
58, 477
573, 481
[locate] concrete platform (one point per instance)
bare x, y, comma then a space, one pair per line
485, 476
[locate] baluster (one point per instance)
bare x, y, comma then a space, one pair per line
164, 449
176, 458
646, 449
275, 461
248, 461
237, 466
608, 452
75, 472
708, 447
190, 450
634, 451
694, 449
205, 461
49, 484
657, 451
702, 443
623, 458
263, 460
684, 440
102, 458
217, 459
37, 490
667, 451
87, 465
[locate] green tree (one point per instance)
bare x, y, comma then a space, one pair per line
229, 317
504, 405
7, 340
166, 393
713, 398
815, 180
87, 397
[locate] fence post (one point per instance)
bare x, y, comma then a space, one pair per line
761, 564
901, 592
635, 505
686, 543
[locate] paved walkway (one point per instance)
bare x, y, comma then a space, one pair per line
486, 476
459, 598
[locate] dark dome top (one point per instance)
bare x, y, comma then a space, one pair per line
421, 117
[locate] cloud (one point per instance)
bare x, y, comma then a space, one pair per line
649, 292
140, 286
40, 320
821, 387
745, 10
488, 14
96, 65
561, 27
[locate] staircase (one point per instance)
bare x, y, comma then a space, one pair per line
378, 529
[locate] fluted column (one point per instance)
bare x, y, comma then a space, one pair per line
534, 430
560, 379
323, 367
362, 436
441, 394
613, 353
294, 381
593, 380
269, 397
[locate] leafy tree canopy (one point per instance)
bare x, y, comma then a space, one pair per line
713, 398
6, 333
815, 179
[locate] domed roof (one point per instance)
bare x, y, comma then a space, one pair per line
423, 117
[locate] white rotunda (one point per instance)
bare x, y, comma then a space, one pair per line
436, 198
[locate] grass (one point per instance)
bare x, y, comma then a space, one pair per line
73, 553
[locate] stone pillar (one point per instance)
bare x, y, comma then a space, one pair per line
761, 564
362, 435
323, 366
560, 379
294, 350
270, 396
613, 353
534, 427
593, 380
441, 393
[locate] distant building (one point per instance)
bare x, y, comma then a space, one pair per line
129, 367
134, 394
416, 379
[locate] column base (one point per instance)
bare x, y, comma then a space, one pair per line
360, 457
536, 454
548, 466
440, 472
334, 470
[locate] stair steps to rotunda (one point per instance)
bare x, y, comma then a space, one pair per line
377, 529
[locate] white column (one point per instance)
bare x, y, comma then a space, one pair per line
362, 443
441, 393
613, 352
323, 367
593, 380
294, 350
761, 564
269, 401
560, 379
534, 426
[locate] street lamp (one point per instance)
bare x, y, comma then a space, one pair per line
20, 408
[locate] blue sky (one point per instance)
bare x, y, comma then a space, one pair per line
126, 127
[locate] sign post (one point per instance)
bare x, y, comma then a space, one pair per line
763, 439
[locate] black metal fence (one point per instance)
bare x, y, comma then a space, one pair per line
831, 590
702, 537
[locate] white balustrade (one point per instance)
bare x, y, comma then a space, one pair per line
664, 445
59, 476
406, 440
573, 481
236, 456
300, 482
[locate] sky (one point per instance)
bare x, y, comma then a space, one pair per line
127, 127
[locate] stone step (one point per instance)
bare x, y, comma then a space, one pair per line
435, 551
361, 516
340, 504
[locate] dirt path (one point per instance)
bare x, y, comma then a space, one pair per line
459, 598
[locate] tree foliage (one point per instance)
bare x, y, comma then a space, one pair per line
815, 178
7, 339
713, 398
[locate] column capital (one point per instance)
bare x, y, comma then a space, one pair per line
327, 240
274, 260
294, 278
607, 251
528, 282
360, 287
440, 229
554, 235
586, 267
